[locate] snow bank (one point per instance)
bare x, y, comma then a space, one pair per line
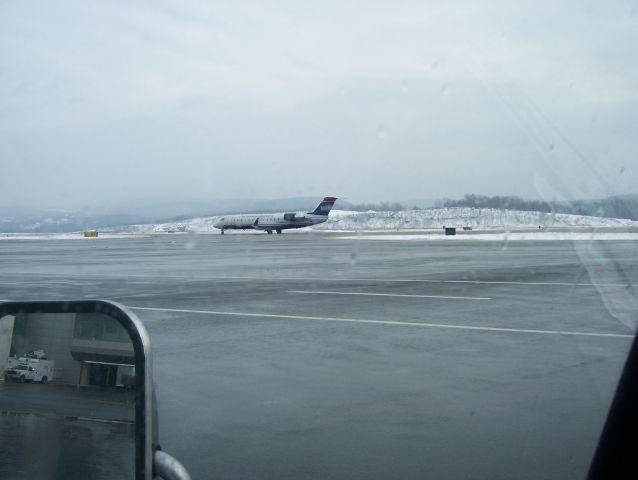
462, 217
342, 220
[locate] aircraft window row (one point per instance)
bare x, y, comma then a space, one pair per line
239, 219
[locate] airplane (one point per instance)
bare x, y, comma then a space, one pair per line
277, 221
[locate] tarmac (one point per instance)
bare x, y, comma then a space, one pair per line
327, 356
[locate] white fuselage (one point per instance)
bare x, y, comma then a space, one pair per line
269, 221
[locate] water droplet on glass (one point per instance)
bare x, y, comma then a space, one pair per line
506, 239
190, 241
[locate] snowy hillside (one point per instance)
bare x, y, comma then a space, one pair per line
461, 217
411, 219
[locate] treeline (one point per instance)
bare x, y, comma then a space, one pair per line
506, 203
625, 206
364, 207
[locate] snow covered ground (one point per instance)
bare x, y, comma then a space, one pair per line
463, 217
410, 225
500, 237
65, 236
483, 218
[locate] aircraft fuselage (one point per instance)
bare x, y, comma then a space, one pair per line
276, 221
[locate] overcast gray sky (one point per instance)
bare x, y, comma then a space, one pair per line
111, 102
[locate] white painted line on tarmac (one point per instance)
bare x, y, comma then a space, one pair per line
420, 280
366, 294
498, 282
101, 420
196, 278
43, 282
387, 322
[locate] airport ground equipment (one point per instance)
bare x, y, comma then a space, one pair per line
26, 369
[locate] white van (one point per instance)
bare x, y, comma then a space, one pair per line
34, 370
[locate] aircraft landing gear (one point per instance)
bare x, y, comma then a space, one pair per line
222, 232
269, 232
279, 230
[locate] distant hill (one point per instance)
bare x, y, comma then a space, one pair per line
434, 218
62, 222
44, 220
181, 212
464, 217
621, 206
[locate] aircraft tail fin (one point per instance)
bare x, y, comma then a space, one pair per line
325, 206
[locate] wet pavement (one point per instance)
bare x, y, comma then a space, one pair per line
92, 403
53, 447
310, 356
67, 431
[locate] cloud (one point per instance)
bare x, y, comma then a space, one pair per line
274, 99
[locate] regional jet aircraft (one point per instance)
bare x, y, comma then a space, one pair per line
277, 221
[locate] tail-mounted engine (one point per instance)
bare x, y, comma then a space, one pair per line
294, 217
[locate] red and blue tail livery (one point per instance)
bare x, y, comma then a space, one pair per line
325, 206
277, 221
